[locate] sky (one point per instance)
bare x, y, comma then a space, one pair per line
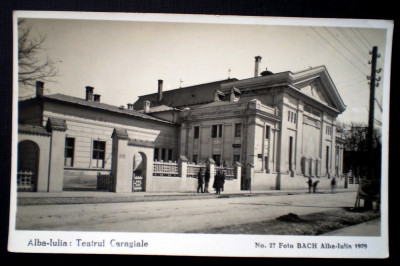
125, 59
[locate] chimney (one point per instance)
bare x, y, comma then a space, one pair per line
129, 106
146, 107
257, 62
160, 90
89, 93
96, 97
39, 89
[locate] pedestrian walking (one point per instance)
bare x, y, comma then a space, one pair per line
310, 184
222, 180
206, 180
200, 181
333, 184
314, 186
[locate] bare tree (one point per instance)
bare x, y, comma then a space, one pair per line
356, 148
33, 62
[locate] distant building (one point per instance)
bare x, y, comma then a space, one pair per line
271, 130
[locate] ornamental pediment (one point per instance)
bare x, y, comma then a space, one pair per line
315, 91
317, 84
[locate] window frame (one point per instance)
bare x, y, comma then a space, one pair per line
216, 131
196, 132
98, 151
69, 148
238, 130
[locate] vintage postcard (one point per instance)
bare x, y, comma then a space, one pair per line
200, 135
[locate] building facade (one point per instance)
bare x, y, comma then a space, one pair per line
272, 130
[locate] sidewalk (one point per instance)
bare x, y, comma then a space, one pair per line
370, 228
87, 197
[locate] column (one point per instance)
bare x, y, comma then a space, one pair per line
210, 164
122, 163
182, 164
238, 175
57, 149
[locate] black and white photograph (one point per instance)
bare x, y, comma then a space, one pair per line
200, 135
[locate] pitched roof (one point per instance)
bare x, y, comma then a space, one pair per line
120, 133
100, 106
32, 129
56, 124
182, 97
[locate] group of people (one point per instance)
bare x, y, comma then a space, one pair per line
313, 185
203, 179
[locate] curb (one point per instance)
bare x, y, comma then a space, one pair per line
28, 199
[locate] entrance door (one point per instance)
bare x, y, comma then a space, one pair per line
290, 154
139, 172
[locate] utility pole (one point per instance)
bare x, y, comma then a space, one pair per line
370, 135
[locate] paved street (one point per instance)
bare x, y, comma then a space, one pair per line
177, 215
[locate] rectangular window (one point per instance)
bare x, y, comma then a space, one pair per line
69, 151
329, 130
216, 131
98, 155
195, 158
236, 158
327, 158
292, 117
290, 153
163, 155
217, 159
267, 129
156, 154
170, 154
196, 132
238, 130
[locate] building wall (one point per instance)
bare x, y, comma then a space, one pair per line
43, 145
87, 126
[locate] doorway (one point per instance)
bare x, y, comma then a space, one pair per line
28, 159
139, 172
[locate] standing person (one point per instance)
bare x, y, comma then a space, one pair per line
314, 186
200, 181
309, 182
333, 184
222, 180
207, 180
217, 182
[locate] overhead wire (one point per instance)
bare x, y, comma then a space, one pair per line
345, 47
354, 43
339, 52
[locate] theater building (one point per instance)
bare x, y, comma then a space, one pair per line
271, 131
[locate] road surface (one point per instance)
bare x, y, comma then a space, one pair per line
177, 216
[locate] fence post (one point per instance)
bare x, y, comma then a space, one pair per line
249, 175
182, 165
210, 164
238, 175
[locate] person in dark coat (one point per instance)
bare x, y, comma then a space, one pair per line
218, 182
200, 181
222, 180
333, 184
206, 180
310, 183
314, 186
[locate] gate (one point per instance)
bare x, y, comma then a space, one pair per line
137, 183
28, 159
